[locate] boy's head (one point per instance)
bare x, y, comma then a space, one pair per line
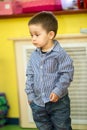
47, 20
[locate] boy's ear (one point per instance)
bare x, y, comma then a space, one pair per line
51, 35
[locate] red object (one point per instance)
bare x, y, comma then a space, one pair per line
80, 4
17, 7
6, 8
41, 5
85, 4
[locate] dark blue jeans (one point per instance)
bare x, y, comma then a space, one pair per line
54, 116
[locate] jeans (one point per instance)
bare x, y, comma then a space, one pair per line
54, 116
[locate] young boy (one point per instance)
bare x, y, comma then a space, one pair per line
49, 74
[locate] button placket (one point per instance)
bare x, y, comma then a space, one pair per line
41, 76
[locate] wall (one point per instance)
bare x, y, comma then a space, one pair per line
17, 28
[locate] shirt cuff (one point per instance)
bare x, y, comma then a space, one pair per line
31, 97
57, 92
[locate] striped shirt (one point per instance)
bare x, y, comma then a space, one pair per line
48, 72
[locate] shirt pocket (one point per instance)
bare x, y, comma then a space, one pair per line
51, 65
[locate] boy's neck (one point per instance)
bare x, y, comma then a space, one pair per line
48, 47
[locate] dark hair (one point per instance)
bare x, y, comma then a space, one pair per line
46, 19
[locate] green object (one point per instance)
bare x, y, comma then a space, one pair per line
15, 127
2, 121
3, 109
2, 100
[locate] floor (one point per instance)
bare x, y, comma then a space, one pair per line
14, 127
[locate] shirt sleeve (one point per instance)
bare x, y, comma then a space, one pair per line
30, 81
66, 71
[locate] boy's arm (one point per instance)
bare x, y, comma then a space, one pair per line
30, 83
65, 71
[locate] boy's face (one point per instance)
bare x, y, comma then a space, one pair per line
40, 37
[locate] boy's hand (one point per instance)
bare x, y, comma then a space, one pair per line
29, 102
54, 97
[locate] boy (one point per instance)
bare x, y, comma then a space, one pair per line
49, 74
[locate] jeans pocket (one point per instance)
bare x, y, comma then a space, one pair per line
66, 101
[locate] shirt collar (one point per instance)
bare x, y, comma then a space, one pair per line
55, 48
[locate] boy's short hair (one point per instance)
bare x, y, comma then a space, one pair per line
46, 19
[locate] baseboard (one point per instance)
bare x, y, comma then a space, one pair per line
12, 121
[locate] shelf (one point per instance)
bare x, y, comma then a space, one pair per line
58, 36
64, 12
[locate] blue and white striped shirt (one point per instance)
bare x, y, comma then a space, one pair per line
49, 72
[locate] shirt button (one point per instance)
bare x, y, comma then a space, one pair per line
41, 67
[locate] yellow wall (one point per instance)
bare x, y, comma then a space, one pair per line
16, 28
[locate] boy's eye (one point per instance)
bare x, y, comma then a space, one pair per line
31, 35
37, 35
